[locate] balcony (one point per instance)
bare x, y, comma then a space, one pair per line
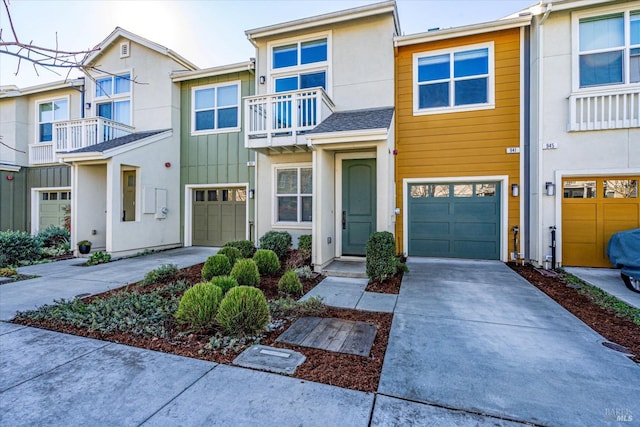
71, 135
277, 122
606, 109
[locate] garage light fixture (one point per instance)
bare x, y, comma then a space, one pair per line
515, 190
550, 188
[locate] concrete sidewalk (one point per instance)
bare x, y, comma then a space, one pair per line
476, 337
67, 279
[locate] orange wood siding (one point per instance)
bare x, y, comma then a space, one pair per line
471, 143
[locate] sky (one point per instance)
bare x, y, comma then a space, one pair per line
208, 33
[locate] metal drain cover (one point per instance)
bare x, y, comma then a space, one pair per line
617, 347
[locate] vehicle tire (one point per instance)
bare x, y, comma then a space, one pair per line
631, 282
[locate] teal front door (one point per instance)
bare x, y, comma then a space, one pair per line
358, 204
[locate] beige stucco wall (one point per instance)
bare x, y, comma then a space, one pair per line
605, 152
89, 205
13, 129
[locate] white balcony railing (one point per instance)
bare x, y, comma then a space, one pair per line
281, 119
72, 135
610, 109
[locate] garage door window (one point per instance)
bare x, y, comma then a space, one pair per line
417, 191
579, 189
621, 189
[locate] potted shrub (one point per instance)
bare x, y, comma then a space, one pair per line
84, 247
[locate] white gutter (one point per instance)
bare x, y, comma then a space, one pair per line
180, 76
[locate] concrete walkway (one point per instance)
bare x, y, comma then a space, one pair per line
476, 337
609, 280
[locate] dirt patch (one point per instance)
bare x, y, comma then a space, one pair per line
389, 286
606, 323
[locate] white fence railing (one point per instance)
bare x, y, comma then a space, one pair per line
285, 114
611, 109
71, 135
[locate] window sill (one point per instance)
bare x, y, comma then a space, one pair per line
292, 225
215, 131
447, 110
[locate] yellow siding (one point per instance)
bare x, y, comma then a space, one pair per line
469, 143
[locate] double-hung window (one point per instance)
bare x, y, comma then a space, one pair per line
50, 112
609, 49
300, 65
453, 79
294, 188
113, 98
215, 108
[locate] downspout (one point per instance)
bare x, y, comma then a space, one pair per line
82, 99
527, 144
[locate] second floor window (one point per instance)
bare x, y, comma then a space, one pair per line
300, 53
453, 79
48, 113
609, 49
113, 98
215, 108
300, 65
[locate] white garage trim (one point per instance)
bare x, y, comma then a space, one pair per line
188, 207
505, 191
559, 176
35, 204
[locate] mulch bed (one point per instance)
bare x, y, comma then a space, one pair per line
613, 328
389, 286
342, 370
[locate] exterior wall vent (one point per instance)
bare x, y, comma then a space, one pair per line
124, 50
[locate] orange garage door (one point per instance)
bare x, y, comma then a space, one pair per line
592, 210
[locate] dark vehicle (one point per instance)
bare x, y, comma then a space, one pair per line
623, 251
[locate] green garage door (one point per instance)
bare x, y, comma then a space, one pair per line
454, 220
54, 205
219, 216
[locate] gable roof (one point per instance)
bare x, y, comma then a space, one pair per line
121, 32
117, 142
355, 120
328, 19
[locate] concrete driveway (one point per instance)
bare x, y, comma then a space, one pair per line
474, 336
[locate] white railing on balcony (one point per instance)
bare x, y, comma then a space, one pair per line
610, 109
281, 119
71, 135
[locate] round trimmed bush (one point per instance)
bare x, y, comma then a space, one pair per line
290, 284
216, 265
232, 253
245, 247
278, 241
246, 273
267, 262
199, 305
225, 283
243, 311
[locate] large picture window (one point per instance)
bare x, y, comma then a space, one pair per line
300, 53
456, 79
216, 108
609, 49
301, 64
294, 188
50, 112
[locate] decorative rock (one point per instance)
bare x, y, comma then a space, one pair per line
272, 359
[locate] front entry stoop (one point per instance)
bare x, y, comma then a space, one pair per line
342, 268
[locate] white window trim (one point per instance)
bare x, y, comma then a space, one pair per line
238, 128
116, 97
37, 120
489, 105
291, 71
575, 47
35, 204
274, 195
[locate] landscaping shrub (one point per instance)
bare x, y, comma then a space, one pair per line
18, 247
288, 307
8, 272
246, 247
267, 262
381, 262
304, 245
232, 253
216, 265
243, 311
53, 236
304, 272
162, 274
277, 241
246, 273
289, 284
199, 305
98, 257
225, 283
